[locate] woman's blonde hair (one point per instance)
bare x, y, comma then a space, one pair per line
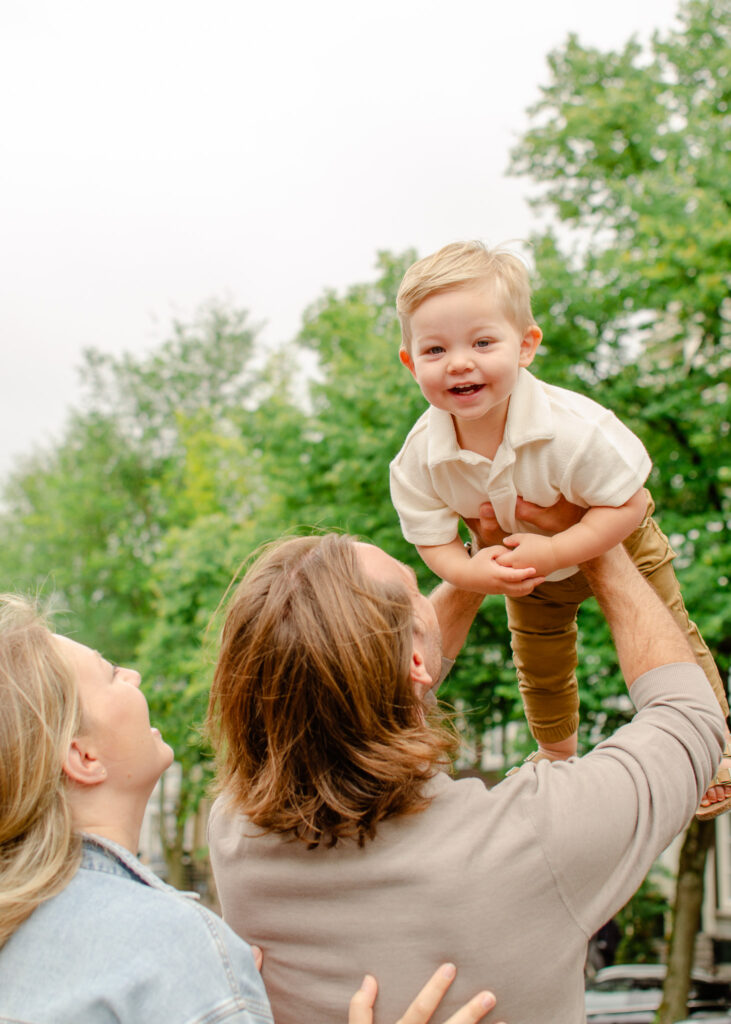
318, 729
39, 716
459, 265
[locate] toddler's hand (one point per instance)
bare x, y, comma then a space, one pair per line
529, 550
491, 576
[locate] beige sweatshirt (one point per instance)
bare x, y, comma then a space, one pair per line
508, 883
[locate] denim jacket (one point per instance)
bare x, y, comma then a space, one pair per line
118, 945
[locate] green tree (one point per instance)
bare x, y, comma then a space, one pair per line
140, 514
88, 516
630, 150
362, 406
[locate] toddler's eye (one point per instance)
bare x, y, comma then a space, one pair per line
435, 350
482, 342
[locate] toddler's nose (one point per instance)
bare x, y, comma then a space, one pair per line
460, 361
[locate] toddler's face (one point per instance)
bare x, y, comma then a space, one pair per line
466, 352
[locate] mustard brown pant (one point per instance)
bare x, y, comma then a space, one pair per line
543, 632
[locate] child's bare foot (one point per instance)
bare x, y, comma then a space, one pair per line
717, 799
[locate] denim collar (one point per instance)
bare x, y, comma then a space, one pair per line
105, 855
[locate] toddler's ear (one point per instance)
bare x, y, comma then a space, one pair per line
406, 359
529, 344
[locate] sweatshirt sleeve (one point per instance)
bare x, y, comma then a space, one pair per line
630, 796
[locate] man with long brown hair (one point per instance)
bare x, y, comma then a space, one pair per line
337, 825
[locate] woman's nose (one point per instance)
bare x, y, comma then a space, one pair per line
133, 677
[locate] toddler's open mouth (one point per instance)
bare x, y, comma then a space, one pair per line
465, 389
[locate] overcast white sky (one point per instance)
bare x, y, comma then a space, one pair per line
158, 153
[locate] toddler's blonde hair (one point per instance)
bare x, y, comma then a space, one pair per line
461, 264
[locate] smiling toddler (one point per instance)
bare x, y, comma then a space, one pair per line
495, 432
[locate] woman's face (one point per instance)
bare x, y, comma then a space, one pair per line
116, 720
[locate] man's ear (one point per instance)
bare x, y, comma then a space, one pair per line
406, 360
530, 342
419, 674
81, 766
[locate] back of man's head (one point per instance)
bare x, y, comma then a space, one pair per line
319, 732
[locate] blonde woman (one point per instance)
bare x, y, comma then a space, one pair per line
88, 933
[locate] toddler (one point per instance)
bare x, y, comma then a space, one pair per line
494, 432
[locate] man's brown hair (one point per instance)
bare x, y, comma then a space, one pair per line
312, 709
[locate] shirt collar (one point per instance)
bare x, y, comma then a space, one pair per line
529, 419
97, 851
529, 413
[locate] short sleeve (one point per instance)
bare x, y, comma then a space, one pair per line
609, 466
424, 517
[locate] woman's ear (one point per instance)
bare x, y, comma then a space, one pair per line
81, 766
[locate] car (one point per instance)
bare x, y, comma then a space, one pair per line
707, 1017
631, 994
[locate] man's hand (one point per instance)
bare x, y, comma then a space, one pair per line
427, 1001
554, 519
486, 531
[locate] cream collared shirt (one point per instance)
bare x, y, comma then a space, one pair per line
556, 442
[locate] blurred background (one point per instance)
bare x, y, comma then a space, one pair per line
205, 214
155, 155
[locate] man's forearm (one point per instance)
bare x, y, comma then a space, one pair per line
456, 610
645, 634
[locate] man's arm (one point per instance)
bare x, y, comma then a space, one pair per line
622, 803
645, 634
455, 610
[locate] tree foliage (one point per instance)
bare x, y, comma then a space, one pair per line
141, 513
630, 151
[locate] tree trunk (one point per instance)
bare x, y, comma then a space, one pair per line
686, 921
172, 832
177, 874
206, 884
